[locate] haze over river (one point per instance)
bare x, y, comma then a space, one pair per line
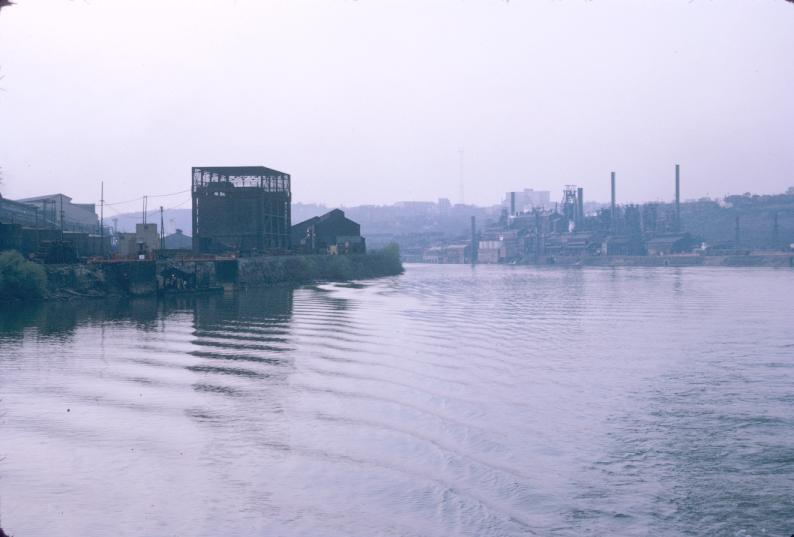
495, 401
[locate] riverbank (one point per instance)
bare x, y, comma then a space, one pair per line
679, 260
189, 275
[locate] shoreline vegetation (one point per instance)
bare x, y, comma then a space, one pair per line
21, 279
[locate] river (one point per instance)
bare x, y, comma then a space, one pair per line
451, 400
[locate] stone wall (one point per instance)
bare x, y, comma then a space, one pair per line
138, 278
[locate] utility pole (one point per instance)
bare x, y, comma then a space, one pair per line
612, 215
38, 235
737, 230
460, 174
60, 197
677, 198
474, 245
102, 219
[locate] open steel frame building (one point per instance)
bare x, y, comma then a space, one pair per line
242, 209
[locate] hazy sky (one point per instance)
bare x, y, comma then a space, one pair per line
369, 101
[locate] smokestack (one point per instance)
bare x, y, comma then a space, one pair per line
612, 219
473, 240
737, 230
512, 203
580, 205
677, 198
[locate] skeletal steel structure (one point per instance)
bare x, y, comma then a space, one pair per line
243, 209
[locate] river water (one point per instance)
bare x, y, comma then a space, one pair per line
494, 401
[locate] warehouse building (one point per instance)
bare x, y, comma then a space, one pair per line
332, 233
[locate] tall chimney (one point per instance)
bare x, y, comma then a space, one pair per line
512, 203
580, 205
737, 231
612, 217
473, 240
677, 198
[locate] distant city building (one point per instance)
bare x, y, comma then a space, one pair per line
332, 233
528, 199
498, 248
417, 207
453, 253
444, 205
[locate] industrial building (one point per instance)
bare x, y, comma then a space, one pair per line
241, 209
144, 241
498, 247
331, 233
52, 229
671, 244
453, 253
58, 210
569, 232
178, 241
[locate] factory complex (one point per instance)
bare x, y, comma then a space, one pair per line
530, 229
237, 211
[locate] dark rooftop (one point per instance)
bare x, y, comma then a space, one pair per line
239, 171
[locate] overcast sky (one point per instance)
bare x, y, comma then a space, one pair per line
370, 101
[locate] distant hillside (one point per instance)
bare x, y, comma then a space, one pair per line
173, 218
417, 225
756, 214
182, 218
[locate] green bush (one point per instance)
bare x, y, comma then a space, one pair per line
390, 259
340, 268
391, 250
300, 269
384, 262
20, 278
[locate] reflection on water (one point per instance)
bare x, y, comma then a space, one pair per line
448, 401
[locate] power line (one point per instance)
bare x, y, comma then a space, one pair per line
123, 202
148, 213
168, 195
139, 198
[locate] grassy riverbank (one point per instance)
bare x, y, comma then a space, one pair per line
21, 279
301, 269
